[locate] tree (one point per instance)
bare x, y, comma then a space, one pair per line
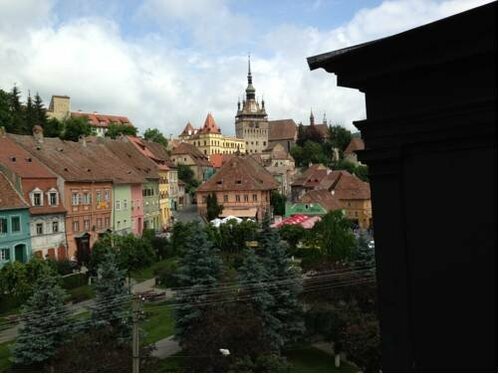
155, 135
334, 237
117, 129
293, 235
181, 232
53, 128
278, 201
112, 302
232, 237
214, 209
74, 127
198, 274
29, 116
286, 307
186, 174
5, 115
99, 250
39, 111
340, 137
44, 325
133, 252
16, 113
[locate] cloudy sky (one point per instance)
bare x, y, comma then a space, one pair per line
165, 62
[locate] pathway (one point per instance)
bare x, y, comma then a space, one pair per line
166, 347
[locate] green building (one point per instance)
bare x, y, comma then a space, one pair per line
15, 239
151, 199
122, 209
311, 209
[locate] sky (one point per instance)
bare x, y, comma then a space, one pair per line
163, 63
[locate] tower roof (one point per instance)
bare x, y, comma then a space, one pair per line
210, 126
188, 129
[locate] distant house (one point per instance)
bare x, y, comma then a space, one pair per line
39, 188
242, 186
189, 155
15, 242
356, 144
283, 132
60, 108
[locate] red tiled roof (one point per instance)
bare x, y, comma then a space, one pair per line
188, 129
356, 144
240, 173
21, 162
185, 148
102, 121
218, 160
150, 149
76, 161
351, 187
10, 198
324, 197
282, 129
210, 126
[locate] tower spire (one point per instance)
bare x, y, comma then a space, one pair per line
250, 91
311, 117
249, 71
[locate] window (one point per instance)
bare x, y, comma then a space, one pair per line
106, 222
3, 225
37, 199
125, 204
245, 197
74, 199
118, 205
237, 198
86, 224
4, 254
106, 195
86, 198
98, 196
53, 199
76, 226
55, 226
39, 228
204, 199
99, 222
226, 198
15, 223
118, 224
254, 197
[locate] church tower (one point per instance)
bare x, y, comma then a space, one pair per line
251, 120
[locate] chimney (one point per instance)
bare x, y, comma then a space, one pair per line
3, 133
83, 140
38, 133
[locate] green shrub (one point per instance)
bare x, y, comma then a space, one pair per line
9, 303
80, 294
62, 267
74, 281
165, 273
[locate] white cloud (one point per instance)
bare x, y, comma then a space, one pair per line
158, 85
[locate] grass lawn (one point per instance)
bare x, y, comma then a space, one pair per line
159, 322
310, 359
4, 356
147, 273
171, 364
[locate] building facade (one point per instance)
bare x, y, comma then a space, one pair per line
15, 241
251, 122
210, 140
242, 186
197, 161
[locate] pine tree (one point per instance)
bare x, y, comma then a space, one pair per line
198, 274
40, 111
16, 112
5, 115
44, 324
112, 307
286, 307
254, 278
29, 116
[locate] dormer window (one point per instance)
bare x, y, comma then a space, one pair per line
36, 197
53, 197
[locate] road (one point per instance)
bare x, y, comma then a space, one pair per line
187, 214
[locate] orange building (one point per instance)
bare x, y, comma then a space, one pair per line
242, 186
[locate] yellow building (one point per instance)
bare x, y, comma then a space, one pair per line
209, 139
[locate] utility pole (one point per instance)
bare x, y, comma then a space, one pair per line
136, 311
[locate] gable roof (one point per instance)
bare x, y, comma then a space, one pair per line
10, 198
188, 129
150, 150
282, 129
101, 120
210, 126
79, 161
18, 160
325, 198
351, 187
356, 144
240, 173
198, 157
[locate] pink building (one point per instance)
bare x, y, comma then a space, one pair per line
137, 210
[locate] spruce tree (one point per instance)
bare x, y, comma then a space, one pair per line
285, 284
29, 116
16, 112
254, 281
198, 273
112, 303
44, 325
40, 111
